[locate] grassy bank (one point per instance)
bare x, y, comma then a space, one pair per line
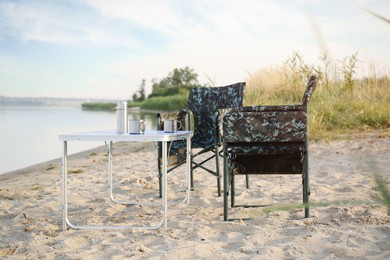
99, 106
156, 103
165, 103
341, 104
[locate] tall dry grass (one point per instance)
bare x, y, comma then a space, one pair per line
346, 101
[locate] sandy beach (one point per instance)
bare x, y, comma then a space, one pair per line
347, 220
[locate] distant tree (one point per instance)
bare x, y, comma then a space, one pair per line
135, 97
175, 82
142, 91
140, 96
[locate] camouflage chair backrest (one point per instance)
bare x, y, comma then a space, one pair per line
204, 102
267, 124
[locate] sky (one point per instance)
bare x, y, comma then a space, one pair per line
103, 49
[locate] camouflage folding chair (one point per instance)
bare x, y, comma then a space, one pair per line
266, 140
200, 117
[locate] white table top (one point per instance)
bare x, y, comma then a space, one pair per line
112, 135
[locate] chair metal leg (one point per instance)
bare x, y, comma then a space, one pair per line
218, 170
233, 191
160, 183
225, 186
247, 180
192, 175
306, 191
159, 169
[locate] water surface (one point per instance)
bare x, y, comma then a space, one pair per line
29, 135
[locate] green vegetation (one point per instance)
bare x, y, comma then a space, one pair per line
178, 82
99, 106
140, 96
37, 187
341, 104
75, 171
50, 167
169, 93
166, 103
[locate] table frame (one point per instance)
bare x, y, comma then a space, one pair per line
110, 137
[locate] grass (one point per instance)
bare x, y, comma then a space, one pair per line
37, 187
76, 171
156, 103
342, 104
383, 190
166, 103
50, 167
99, 106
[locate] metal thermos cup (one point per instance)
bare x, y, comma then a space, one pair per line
121, 112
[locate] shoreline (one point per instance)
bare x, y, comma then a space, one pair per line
348, 221
44, 164
378, 134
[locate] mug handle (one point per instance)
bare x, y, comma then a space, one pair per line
180, 125
142, 126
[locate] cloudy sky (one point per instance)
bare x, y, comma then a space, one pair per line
103, 49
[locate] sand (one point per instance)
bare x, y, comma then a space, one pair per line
346, 221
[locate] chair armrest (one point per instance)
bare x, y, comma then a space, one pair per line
219, 115
185, 116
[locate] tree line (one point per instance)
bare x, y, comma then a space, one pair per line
178, 82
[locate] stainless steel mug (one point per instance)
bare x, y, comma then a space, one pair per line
136, 126
171, 125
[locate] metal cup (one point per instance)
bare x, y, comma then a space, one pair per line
171, 125
136, 126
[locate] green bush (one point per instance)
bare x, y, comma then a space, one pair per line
98, 106
165, 103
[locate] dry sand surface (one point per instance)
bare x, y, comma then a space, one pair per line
352, 222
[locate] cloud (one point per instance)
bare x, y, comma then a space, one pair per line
59, 23
223, 40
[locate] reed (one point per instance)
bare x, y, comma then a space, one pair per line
98, 106
165, 103
343, 103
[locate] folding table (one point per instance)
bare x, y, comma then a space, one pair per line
109, 137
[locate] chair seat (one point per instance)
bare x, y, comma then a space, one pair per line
289, 163
268, 159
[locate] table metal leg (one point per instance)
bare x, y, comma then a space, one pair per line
64, 185
164, 201
188, 173
111, 198
109, 171
164, 183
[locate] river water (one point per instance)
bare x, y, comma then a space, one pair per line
29, 135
